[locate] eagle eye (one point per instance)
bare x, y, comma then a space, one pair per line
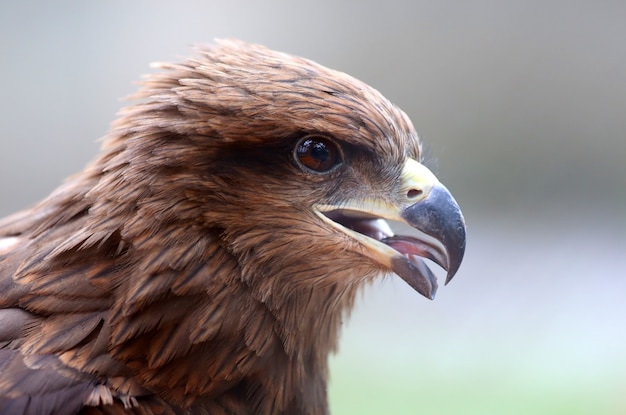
317, 153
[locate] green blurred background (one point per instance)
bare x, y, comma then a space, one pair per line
522, 108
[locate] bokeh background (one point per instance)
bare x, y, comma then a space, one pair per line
522, 106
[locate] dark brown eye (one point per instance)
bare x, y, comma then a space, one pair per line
317, 153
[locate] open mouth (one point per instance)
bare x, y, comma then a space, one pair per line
408, 251
378, 229
421, 202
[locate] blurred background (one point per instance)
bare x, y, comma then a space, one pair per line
522, 108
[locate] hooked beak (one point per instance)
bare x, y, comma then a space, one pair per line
424, 204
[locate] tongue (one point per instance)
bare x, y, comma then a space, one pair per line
410, 247
405, 246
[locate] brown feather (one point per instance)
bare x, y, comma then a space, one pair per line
183, 271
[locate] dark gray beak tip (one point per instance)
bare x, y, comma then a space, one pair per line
440, 217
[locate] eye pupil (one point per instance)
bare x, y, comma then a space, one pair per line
320, 152
317, 153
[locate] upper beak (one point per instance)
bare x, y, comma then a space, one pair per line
439, 217
424, 204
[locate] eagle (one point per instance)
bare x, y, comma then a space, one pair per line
204, 261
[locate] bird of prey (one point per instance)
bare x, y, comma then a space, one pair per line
203, 262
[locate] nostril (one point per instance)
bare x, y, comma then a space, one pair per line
413, 193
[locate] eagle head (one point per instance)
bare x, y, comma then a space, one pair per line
206, 257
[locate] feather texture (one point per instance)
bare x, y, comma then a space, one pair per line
184, 271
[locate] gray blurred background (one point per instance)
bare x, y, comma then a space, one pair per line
522, 108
